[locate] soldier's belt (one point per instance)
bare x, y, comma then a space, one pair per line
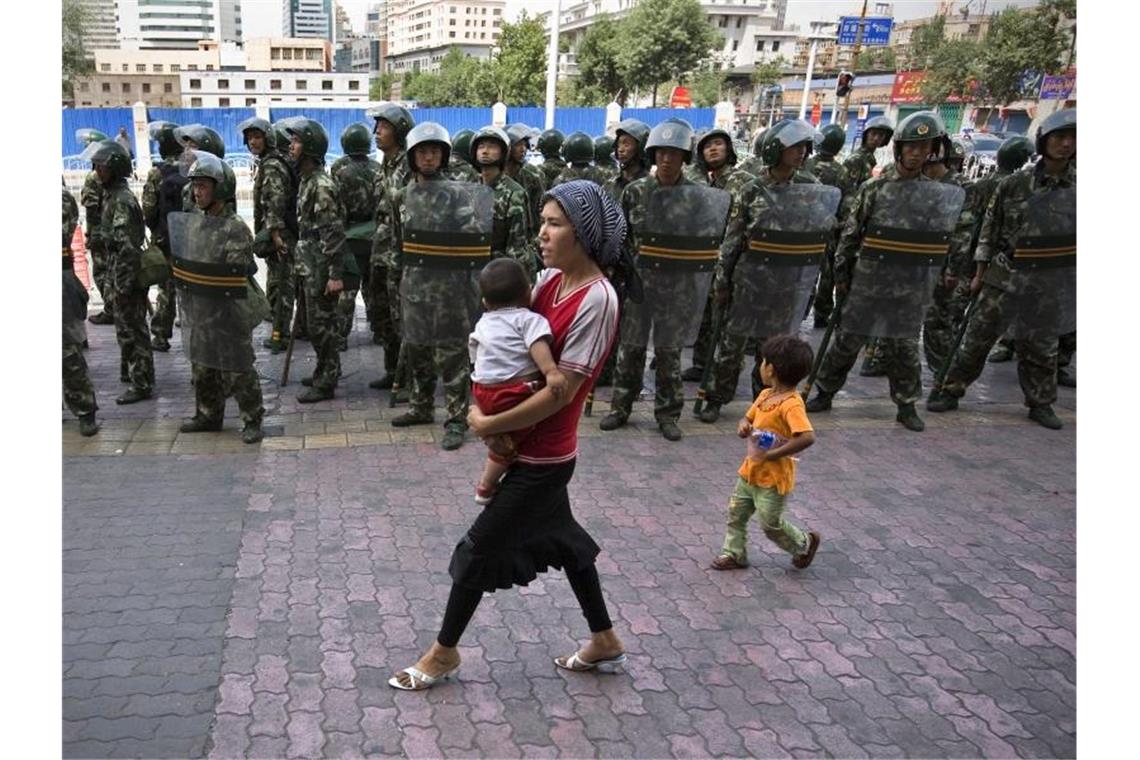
894, 245
68, 261
659, 251
361, 231
222, 280
1045, 252
445, 250
793, 249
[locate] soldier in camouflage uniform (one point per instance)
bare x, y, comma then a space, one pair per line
550, 146
528, 176
322, 251
274, 223
429, 148
578, 152
715, 166
162, 193
222, 323
393, 123
917, 138
77, 391
823, 166
91, 197
787, 143
199, 137
629, 151
357, 177
1054, 171
510, 238
604, 158
754, 164
1016, 152
123, 233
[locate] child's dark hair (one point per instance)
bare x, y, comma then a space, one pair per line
503, 282
790, 357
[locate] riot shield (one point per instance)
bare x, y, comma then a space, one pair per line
74, 308
774, 276
1043, 286
212, 293
680, 240
904, 249
446, 241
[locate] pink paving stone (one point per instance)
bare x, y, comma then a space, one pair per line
230, 737
335, 635
570, 738
494, 739
421, 742
338, 669
833, 662
305, 691
271, 673
269, 716
242, 623
975, 731
639, 619
687, 746
305, 735
999, 721
236, 692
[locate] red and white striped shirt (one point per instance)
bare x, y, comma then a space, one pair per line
584, 324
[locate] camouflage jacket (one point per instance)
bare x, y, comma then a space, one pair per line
533, 184
978, 194
608, 172
150, 196
747, 208
70, 219
123, 233
619, 183
958, 259
588, 171
854, 228
461, 171
551, 168
397, 213
394, 174
320, 219
1005, 216
858, 167
357, 179
91, 197
273, 195
509, 236
634, 203
830, 172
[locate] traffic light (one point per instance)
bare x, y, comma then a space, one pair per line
844, 83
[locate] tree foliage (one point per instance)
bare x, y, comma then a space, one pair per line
665, 39
380, 88
75, 61
706, 85
1020, 41
598, 55
769, 73
877, 59
520, 68
461, 81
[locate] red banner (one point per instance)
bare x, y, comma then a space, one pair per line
816, 114
908, 88
680, 98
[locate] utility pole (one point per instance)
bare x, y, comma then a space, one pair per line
552, 63
807, 78
854, 58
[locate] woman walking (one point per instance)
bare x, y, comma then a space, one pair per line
528, 526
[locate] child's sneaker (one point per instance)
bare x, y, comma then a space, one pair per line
801, 561
483, 495
727, 562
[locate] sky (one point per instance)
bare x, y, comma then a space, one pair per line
262, 18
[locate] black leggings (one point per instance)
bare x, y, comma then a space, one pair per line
462, 601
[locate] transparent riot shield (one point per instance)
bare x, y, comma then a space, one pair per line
446, 242
1043, 287
904, 249
775, 274
680, 240
212, 291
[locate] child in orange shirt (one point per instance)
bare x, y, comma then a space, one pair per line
767, 476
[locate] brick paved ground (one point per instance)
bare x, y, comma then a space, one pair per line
227, 600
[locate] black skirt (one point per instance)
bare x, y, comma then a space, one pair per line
525, 530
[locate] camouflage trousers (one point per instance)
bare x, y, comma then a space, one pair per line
1036, 357
705, 332
324, 334
385, 317
1066, 349
824, 302
136, 356
348, 304
942, 321
101, 274
77, 391
213, 386
899, 358
730, 352
280, 289
669, 399
165, 304
453, 362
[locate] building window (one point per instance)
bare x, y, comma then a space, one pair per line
140, 68
125, 67
106, 87
223, 84
250, 84
223, 102
251, 101
275, 84
313, 54
176, 67
723, 22
328, 99
84, 86
167, 87
326, 84
739, 21
302, 100
126, 86
195, 102
104, 67
735, 45
157, 68
302, 84
450, 22
275, 54
209, 67
195, 84
496, 12
192, 67
775, 45
759, 46
146, 88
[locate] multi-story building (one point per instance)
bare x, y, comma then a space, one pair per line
376, 22
175, 24
354, 55
207, 57
958, 26
829, 56
293, 54
420, 32
221, 89
115, 89
307, 18
99, 26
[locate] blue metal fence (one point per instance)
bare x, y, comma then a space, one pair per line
106, 120
454, 119
592, 121
700, 118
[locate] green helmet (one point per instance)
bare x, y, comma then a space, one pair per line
112, 154
1013, 153
491, 133
832, 139
356, 140
518, 132
578, 148
671, 133
281, 135
603, 150
959, 151
716, 132
921, 125
204, 138
785, 134
208, 165
550, 143
461, 144
314, 139
262, 126
162, 132
428, 132
85, 136
398, 116
878, 122
636, 129
1066, 118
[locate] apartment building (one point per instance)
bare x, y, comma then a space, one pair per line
222, 89
420, 32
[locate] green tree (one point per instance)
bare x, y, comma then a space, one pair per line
75, 61
1020, 41
461, 81
669, 39
707, 85
520, 68
877, 59
952, 70
598, 58
380, 88
769, 73
924, 42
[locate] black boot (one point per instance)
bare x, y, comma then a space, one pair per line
909, 418
1045, 417
200, 424
87, 425
821, 402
